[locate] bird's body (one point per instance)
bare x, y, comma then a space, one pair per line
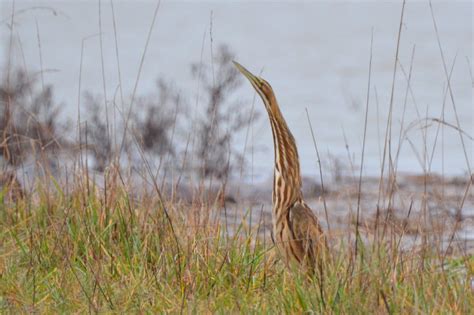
297, 232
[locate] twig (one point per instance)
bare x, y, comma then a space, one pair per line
363, 145
320, 171
138, 76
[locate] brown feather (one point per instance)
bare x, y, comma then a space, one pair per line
298, 233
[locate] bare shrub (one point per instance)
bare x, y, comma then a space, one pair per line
29, 119
222, 117
156, 119
97, 133
153, 121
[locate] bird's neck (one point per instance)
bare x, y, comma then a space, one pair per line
287, 179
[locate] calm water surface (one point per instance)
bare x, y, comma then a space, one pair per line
315, 54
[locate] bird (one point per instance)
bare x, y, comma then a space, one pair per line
297, 232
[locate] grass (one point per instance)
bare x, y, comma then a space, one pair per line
79, 252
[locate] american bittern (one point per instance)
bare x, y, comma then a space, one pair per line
298, 234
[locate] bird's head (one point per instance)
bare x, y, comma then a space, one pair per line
262, 87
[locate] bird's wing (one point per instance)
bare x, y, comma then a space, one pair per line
307, 230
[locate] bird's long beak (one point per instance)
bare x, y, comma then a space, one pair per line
256, 81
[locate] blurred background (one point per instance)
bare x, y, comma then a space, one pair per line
95, 59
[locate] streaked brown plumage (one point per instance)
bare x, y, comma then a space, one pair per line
297, 232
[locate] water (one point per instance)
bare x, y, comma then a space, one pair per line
315, 54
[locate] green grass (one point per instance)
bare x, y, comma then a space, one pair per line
78, 252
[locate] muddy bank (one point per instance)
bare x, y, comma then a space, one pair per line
419, 208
